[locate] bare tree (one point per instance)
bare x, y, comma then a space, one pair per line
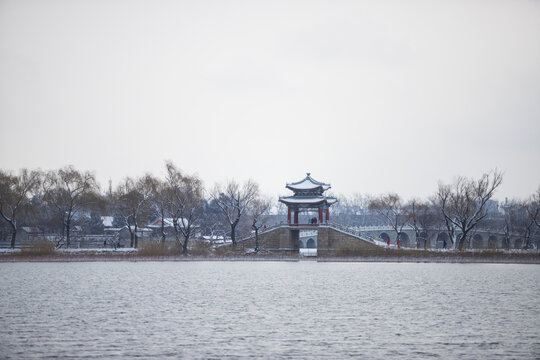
352, 209
390, 207
258, 209
443, 198
463, 203
69, 191
515, 220
15, 194
234, 200
422, 218
431, 220
185, 201
160, 204
536, 201
520, 219
533, 217
532, 211
132, 201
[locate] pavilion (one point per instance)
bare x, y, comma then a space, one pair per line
308, 198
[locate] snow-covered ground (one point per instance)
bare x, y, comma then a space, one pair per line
98, 250
77, 250
9, 251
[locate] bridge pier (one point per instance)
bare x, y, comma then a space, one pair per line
291, 242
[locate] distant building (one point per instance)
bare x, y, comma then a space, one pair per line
156, 224
216, 239
107, 221
169, 226
29, 233
142, 232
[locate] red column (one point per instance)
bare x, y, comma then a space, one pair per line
296, 216
320, 216
327, 215
288, 215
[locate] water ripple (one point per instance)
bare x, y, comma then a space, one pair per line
305, 310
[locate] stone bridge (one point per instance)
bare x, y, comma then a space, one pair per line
332, 237
479, 239
329, 238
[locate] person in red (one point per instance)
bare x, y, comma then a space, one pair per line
398, 242
388, 241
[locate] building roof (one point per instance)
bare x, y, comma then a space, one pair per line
307, 200
107, 221
308, 183
30, 229
168, 222
139, 229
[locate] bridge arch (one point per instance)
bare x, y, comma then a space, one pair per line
310, 244
423, 239
518, 244
477, 241
404, 239
301, 244
443, 240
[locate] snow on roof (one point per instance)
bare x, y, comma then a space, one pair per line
141, 229
31, 229
307, 199
213, 237
308, 183
107, 221
168, 222
157, 223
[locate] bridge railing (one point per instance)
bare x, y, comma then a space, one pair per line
353, 231
263, 230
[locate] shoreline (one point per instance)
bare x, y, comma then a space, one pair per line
450, 258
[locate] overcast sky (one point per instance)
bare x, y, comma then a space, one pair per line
369, 96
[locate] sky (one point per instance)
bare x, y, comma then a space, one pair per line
370, 96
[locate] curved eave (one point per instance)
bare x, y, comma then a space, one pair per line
322, 187
301, 201
308, 184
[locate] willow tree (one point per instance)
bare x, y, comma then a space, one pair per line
15, 196
185, 202
160, 204
132, 201
69, 191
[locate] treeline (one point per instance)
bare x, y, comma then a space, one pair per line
459, 209
58, 201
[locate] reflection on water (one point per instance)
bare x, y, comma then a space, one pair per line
269, 310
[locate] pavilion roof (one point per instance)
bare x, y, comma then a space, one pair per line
308, 183
307, 200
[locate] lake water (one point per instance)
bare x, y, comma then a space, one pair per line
269, 310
